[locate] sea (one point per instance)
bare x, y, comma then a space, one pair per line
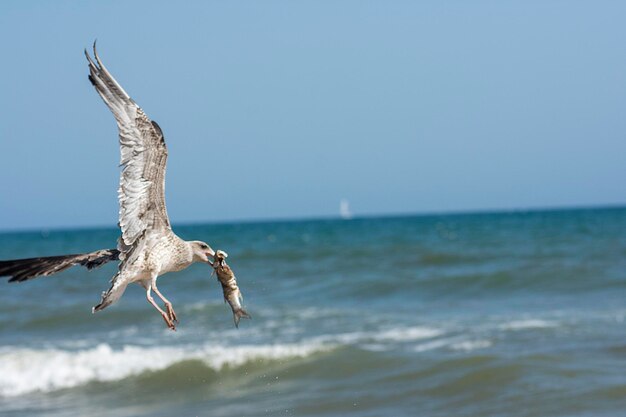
502, 314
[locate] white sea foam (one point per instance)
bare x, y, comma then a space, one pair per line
435, 344
407, 334
24, 370
453, 343
390, 336
528, 324
468, 345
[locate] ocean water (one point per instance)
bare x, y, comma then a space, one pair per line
504, 314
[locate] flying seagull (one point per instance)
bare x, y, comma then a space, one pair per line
147, 247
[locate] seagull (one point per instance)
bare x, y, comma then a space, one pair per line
147, 247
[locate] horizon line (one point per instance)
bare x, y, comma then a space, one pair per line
337, 217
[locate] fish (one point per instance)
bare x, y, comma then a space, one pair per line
232, 294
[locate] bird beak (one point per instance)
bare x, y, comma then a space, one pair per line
210, 253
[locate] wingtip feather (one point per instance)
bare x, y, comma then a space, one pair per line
95, 50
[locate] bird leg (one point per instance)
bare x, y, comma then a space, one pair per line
166, 317
168, 306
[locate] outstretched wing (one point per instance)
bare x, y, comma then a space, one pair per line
24, 269
143, 157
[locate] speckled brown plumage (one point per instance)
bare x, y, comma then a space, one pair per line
147, 247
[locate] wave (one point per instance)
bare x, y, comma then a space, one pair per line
391, 336
25, 370
453, 344
74, 363
528, 324
469, 345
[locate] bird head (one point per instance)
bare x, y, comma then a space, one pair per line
201, 251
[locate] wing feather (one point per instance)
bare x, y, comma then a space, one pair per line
143, 157
24, 269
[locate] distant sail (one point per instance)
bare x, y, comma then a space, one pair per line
344, 209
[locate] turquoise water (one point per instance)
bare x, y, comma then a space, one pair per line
506, 314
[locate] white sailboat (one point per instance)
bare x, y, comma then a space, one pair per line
344, 209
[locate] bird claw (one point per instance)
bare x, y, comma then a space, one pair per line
169, 322
171, 313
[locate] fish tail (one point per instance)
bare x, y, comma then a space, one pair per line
238, 314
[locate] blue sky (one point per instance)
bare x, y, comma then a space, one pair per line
279, 109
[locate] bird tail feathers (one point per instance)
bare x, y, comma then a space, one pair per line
111, 295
